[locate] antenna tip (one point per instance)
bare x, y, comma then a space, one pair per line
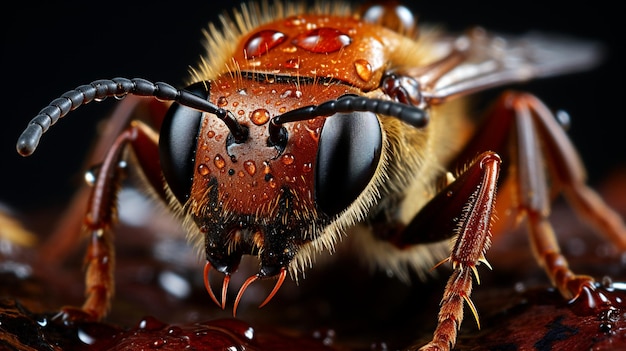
28, 141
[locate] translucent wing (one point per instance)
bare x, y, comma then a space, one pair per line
480, 61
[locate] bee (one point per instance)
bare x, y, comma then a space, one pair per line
302, 126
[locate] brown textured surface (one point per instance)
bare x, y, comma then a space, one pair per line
336, 307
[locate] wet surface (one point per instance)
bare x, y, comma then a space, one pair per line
23, 329
538, 319
161, 302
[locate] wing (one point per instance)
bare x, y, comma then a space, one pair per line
480, 61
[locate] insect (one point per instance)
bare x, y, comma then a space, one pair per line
303, 126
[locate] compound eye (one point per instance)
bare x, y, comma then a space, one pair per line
347, 157
178, 141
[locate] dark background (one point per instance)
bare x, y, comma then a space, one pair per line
48, 49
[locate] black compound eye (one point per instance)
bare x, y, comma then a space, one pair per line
349, 150
178, 141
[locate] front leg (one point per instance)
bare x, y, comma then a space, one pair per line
541, 163
66, 233
101, 216
471, 199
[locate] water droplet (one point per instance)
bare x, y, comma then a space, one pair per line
174, 331
221, 101
314, 134
151, 323
322, 40
240, 174
363, 69
287, 159
85, 337
260, 116
43, 321
90, 177
158, 343
241, 112
607, 282
307, 167
292, 63
210, 134
291, 93
266, 168
263, 41
203, 169
564, 119
250, 167
174, 284
219, 161
294, 21
249, 333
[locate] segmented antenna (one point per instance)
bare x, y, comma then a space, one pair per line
410, 114
118, 87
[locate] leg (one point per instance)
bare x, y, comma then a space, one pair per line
100, 217
568, 176
536, 149
568, 173
471, 197
539, 153
62, 241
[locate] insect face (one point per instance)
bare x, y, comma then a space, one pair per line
261, 197
251, 197
271, 192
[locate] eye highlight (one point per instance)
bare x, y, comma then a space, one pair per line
349, 151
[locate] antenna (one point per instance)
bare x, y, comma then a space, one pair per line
118, 88
410, 114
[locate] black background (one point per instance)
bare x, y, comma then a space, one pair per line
48, 49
